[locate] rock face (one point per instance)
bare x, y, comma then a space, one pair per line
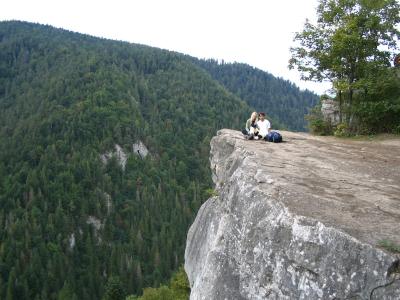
119, 153
330, 111
298, 220
140, 149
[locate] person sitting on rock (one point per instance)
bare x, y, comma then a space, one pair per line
264, 126
251, 130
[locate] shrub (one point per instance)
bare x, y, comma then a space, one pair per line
178, 289
316, 122
342, 130
211, 193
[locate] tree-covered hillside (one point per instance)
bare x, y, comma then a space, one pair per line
283, 102
70, 222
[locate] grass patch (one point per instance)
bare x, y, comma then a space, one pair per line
389, 246
211, 193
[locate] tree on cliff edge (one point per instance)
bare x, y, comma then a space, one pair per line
351, 45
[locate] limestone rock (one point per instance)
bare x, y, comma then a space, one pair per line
72, 241
297, 220
330, 111
119, 154
140, 149
95, 222
107, 198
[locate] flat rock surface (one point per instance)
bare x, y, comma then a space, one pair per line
302, 219
352, 185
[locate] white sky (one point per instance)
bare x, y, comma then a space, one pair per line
256, 32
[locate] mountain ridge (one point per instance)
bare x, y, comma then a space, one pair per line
286, 110
285, 104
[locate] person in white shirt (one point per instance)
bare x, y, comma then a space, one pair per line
263, 124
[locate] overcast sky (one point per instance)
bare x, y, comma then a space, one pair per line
256, 32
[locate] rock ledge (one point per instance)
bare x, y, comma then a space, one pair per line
298, 220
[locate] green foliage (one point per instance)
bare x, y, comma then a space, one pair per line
378, 109
180, 284
178, 289
342, 130
316, 123
343, 46
351, 46
283, 102
66, 293
211, 193
114, 289
161, 293
389, 246
320, 127
68, 221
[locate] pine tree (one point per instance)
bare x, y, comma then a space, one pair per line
114, 289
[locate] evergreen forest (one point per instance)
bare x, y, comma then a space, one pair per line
282, 101
77, 217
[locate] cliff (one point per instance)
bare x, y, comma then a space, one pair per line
298, 220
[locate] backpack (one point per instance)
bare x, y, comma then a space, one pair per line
274, 137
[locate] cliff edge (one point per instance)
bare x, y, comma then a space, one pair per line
298, 220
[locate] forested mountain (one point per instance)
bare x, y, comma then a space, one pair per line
283, 101
74, 214
69, 221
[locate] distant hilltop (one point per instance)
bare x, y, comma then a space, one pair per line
285, 104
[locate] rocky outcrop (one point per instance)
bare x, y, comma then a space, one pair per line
298, 220
140, 149
119, 154
330, 111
